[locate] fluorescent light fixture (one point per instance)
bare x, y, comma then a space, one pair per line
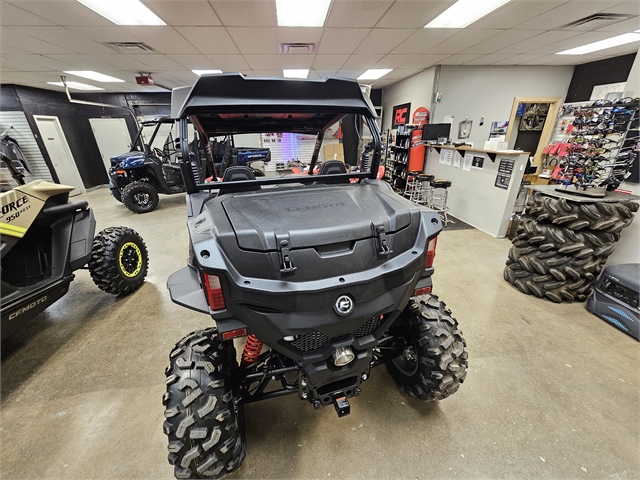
374, 73
302, 13
464, 12
206, 72
91, 75
603, 44
295, 72
123, 12
76, 85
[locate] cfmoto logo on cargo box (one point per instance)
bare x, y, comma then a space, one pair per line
344, 305
27, 308
304, 208
15, 205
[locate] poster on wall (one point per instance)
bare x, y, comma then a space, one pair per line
401, 114
446, 156
503, 177
478, 162
601, 91
420, 117
456, 161
468, 160
464, 129
499, 128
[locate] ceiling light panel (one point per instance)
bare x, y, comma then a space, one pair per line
295, 72
603, 44
76, 85
302, 13
123, 12
464, 12
206, 72
91, 75
374, 73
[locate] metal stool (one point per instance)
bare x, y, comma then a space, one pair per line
438, 198
417, 189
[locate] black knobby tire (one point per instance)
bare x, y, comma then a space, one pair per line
117, 194
439, 363
119, 260
140, 197
203, 421
609, 217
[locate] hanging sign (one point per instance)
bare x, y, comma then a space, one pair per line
420, 117
401, 114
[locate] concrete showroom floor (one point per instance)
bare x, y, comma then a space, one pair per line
552, 391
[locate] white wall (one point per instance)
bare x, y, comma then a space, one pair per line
417, 89
633, 81
476, 91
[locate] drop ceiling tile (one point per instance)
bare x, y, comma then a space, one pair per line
393, 61
489, 59
324, 73
184, 12
245, 13
209, 40
64, 38
356, 62
575, 41
14, 38
329, 62
8, 50
413, 13
459, 59
314, 76
425, 61
517, 59
12, 15
296, 61
544, 60
83, 62
123, 61
193, 62
424, 39
184, 76
15, 64
157, 62
565, 14
103, 34
298, 35
538, 41
350, 73
383, 40
630, 7
254, 40
41, 61
164, 40
625, 26
461, 41
267, 73
229, 63
263, 62
356, 13
507, 37
341, 40
62, 12
517, 12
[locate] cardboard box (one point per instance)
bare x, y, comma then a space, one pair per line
334, 151
536, 180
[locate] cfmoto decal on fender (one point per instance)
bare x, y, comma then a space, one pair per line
27, 308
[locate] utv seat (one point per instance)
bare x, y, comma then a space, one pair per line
237, 174
333, 167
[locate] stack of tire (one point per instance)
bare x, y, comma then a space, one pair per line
561, 246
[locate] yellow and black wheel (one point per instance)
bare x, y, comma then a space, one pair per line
119, 260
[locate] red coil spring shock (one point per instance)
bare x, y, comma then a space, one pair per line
251, 350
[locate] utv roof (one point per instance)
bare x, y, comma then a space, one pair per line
233, 103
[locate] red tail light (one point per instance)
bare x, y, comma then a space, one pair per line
239, 332
431, 253
422, 291
213, 289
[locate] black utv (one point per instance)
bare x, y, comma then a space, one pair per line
324, 276
152, 167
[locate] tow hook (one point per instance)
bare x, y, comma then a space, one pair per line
341, 404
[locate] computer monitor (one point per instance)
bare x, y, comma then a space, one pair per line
435, 131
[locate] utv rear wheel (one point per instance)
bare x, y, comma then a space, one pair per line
434, 361
202, 419
119, 260
140, 197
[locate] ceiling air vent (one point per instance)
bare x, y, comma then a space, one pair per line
130, 47
597, 20
297, 48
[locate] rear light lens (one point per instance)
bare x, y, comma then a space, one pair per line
422, 291
431, 253
239, 332
213, 288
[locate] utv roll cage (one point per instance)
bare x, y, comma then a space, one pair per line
229, 104
138, 141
